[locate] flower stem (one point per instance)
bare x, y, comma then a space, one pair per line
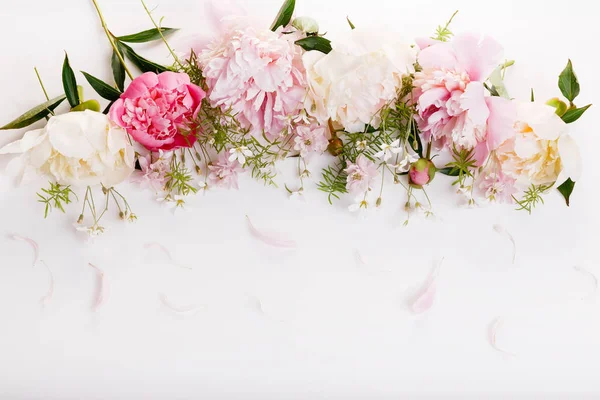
111, 40
161, 35
41, 83
428, 150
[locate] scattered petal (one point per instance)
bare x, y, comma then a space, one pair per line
33, 243
270, 239
493, 333
501, 230
593, 277
102, 288
424, 299
167, 253
187, 309
46, 299
362, 263
257, 305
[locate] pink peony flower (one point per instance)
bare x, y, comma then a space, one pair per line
451, 102
310, 139
361, 176
224, 172
258, 76
158, 110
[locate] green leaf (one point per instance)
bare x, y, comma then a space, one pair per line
143, 64
285, 14
107, 109
350, 23
103, 89
450, 171
147, 36
574, 114
568, 83
35, 114
566, 189
118, 70
70, 83
318, 43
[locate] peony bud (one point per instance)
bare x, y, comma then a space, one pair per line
91, 105
306, 24
559, 105
421, 173
335, 146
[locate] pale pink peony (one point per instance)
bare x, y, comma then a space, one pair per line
224, 172
257, 75
361, 176
451, 102
310, 139
158, 111
495, 186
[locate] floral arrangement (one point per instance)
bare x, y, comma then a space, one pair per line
385, 110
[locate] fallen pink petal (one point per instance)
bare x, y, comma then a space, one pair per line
179, 309
424, 299
593, 278
46, 299
270, 239
101, 288
495, 326
32, 243
502, 231
166, 251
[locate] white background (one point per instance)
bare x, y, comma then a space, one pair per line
332, 327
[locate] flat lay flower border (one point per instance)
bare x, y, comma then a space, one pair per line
387, 110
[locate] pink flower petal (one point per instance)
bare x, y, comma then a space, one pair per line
590, 275
503, 115
33, 243
167, 253
46, 299
501, 230
271, 240
425, 297
102, 288
187, 309
493, 333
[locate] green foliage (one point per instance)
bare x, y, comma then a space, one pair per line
179, 179
532, 197
70, 83
103, 89
443, 33
566, 189
318, 43
35, 114
284, 16
147, 36
568, 83
574, 114
333, 181
350, 23
142, 63
464, 162
57, 196
118, 70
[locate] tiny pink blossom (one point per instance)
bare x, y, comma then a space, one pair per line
310, 139
154, 173
158, 111
497, 187
361, 175
224, 172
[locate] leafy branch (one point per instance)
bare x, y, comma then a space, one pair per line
532, 197
57, 196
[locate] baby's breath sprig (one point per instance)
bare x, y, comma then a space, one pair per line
56, 196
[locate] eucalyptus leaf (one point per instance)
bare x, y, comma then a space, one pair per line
143, 64
566, 189
118, 70
35, 114
103, 89
317, 43
149, 35
285, 14
568, 83
70, 83
574, 114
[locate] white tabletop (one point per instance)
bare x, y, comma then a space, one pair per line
314, 322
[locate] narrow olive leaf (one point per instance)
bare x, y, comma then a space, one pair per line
568, 83
449, 171
350, 23
574, 114
285, 14
107, 109
147, 36
118, 70
103, 89
143, 64
35, 114
70, 83
315, 43
566, 189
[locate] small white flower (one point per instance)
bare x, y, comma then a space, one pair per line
361, 144
362, 205
297, 195
240, 154
92, 231
387, 150
406, 162
202, 185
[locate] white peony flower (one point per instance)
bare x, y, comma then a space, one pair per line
356, 79
77, 149
541, 151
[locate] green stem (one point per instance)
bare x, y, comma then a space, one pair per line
41, 83
161, 35
111, 40
429, 146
